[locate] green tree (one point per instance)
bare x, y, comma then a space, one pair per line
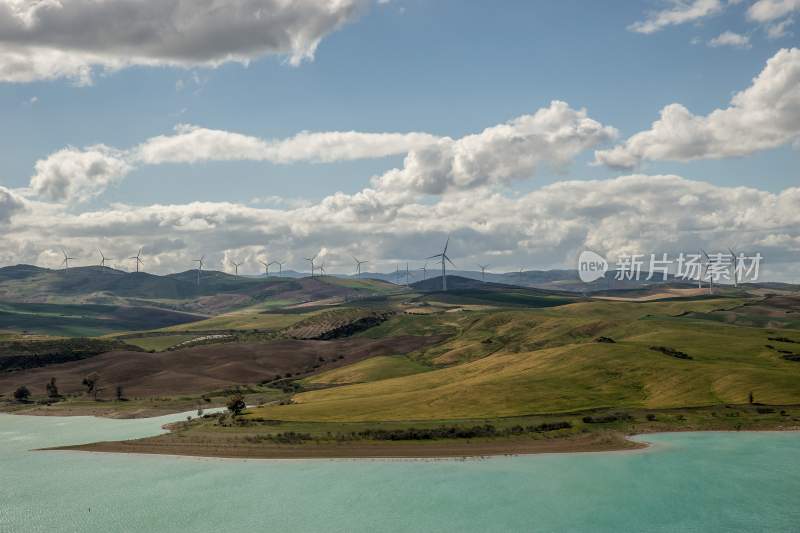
52, 389
751, 398
22, 394
236, 404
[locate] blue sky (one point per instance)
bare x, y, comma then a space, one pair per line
446, 68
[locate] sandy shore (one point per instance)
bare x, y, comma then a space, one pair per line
370, 449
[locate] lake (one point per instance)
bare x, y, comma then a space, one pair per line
692, 482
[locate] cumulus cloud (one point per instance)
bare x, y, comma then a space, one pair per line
765, 115
192, 144
770, 10
545, 228
73, 174
553, 135
732, 39
433, 165
679, 12
51, 39
779, 29
10, 204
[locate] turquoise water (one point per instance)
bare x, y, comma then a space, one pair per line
701, 482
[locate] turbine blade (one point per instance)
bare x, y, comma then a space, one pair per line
434, 256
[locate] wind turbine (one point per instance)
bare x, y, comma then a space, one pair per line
280, 266
406, 274
137, 259
266, 268
483, 271
358, 265
322, 268
444, 258
311, 260
103, 258
67, 259
424, 271
236, 267
199, 267
519, 280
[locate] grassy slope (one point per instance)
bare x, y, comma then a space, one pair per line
522, 362
373, 369
159, 343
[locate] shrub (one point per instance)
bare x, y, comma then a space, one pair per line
651, 417
22, 394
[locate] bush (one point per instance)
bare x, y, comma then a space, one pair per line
22, 394
651, 417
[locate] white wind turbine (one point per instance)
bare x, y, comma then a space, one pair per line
137, 259
103, 258
236, 267
444, 259
705, 273
322, 268
424, 269
358, 265
199, 267
266, 267
67, 259
311, 260
483, 271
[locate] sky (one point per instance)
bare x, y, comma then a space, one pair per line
248, 130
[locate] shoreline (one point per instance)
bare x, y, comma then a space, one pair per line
441, 449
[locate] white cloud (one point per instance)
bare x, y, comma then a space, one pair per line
679, 12
545, 228
553, 135
729, 38
765, 115
770, 10
10, 204
779, 29
51, 39
192, 144
77, 175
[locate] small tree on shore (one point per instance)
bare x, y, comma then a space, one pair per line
751, 398
120, 393
52, 389
92, 384
22, 394
236, 404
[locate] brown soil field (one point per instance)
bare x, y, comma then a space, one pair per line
201, 369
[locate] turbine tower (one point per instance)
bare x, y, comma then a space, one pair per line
137, 259
322, 268
358, 265
444, 259
199, 267
236, 268
103, 258
483, 271
424, 271
280, 266
67, 259
266, 268
406, 274
311, 260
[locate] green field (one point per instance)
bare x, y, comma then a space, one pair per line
516, 363
158, 343
372, 369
